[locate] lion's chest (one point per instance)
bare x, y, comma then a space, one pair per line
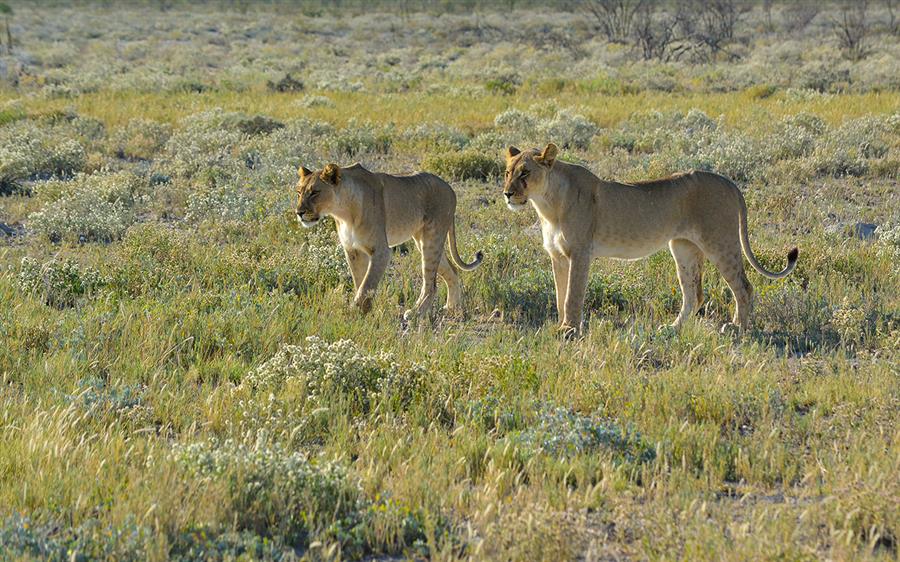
554, 240
348, 236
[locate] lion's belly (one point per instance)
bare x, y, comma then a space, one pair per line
628, 249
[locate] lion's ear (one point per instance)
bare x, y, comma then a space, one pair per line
548, 156
331, 174
512, 152
303, 172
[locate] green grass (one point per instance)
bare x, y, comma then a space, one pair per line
149, 408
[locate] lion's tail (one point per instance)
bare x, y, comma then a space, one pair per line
454, 252
745, 244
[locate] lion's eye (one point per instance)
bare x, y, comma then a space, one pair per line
524, 174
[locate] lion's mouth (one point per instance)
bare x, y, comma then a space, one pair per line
308, 221
516, 205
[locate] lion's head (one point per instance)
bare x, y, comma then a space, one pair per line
316, 193
526, 174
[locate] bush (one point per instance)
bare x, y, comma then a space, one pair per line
436, 136
90, 208
339, 370
354, 140
274, 492
848, 149
29, 152
464, 165
140, 139
562, 432
311, 100
223, 202
59, 283
569, 130
566, 128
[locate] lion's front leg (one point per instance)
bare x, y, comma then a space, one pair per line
579, 267
358, 261
378, 262
561, 282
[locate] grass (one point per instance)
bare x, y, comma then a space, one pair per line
160, 397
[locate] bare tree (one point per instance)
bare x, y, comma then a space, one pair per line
851, 27
7, 13
893, 25
654, 32
798, 15
614, 17
705, 27
767, 9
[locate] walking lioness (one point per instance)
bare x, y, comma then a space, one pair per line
376, 211
698, 214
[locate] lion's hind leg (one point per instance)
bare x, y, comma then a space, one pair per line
432, 249
454, 288
689, 266
731, 265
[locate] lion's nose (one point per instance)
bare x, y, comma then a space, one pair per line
508, 195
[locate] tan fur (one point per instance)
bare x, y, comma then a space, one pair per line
376, 211
698, 214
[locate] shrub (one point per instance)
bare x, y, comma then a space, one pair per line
59, 283
274, 492
569, 130
566, 128
562, 432
90, 208
29, 152
140, 139
848, 149
286, 84
463, 165
311, 100
505, 85
339, 370
96, 397
355, 139
225, 202
436, 136
256, 125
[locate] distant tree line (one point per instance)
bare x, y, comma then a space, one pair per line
658, 29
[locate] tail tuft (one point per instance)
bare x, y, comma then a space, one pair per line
479, 255
793, 255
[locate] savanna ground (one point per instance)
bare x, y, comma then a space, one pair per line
182, 375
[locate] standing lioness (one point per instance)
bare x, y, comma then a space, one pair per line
376, 211
698, 214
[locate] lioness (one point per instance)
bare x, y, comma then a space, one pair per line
376, 211
699, 214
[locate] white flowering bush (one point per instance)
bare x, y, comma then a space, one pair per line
90, 208
654, 130
566, 128
274, 491
732, 155
339, 370
569, 130
436, 136
322, 257
849, 321
225, 201
59, 283
796, 136
140, 139
28, 151
205, 143
356, 139
848, 149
